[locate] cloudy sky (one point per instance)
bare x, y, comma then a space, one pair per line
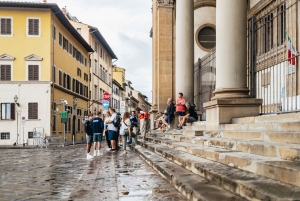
125, 24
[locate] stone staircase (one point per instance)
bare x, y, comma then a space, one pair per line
254, 158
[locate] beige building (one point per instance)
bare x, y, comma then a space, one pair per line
100, 63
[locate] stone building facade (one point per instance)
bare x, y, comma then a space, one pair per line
206, 53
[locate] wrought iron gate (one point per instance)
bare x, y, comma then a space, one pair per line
273, 73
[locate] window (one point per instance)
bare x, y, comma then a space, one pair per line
8, 111
207, 37
96, 67
96, 46
78, 125
281, 24
74, 85
30, 135
54, 105
5, 136
95, 93
101, 52
5, 73
33, 72
69, 125
65, 44
86, 77
70, 49
54, 33
33, 27
79, 30
5, 26
60, 39
60, 78
32, 110
79, 72
267, 33
54, 123
79, 112
53, 74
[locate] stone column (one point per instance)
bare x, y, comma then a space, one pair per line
232, 98
231, 54
185, 48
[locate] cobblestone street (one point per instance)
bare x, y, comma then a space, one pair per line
65, 174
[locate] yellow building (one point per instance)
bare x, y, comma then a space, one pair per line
43, 60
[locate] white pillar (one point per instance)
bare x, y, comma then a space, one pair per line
231, 55
185, 48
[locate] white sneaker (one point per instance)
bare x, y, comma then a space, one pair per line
89, 156
95, 154
98, 154
108, 149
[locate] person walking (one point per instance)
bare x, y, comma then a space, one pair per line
180, 107
142, 124
97, 127
134, 122
125, 130
112, 130
89, 136
107, 116
170, 114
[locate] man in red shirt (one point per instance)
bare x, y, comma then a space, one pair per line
180, 107
142, 124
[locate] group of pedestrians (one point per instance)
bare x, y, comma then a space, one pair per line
185, 111
115, 129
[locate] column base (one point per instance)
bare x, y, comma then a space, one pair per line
221, 111
231, 93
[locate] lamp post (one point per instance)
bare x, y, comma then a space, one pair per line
63, 103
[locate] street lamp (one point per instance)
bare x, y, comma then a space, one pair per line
16, 100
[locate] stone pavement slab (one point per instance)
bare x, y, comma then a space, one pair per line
64, 174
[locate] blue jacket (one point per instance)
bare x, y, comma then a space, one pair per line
97, 125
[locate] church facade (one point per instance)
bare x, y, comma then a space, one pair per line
214, 51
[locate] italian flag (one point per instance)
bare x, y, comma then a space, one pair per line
292, 52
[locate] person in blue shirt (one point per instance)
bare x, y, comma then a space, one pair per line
97, 125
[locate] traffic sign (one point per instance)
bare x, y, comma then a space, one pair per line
105, 104
106, 96
64, 115
23, 120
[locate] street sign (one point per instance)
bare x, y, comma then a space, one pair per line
106, 96
64, 115
122, 104
23, 120
105, 104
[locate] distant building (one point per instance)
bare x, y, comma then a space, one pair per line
101, 63
42, 59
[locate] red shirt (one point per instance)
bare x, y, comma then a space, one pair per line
180, 108
141, 116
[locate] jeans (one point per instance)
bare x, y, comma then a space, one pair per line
124, 139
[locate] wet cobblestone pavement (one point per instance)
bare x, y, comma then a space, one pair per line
65, 174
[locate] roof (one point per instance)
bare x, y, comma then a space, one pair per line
102, 40
57, 11
118, 84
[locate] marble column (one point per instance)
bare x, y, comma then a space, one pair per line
232, 98
185, 48
231, 54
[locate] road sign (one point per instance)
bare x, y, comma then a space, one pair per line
106, 96
105, 104
64, 115
23, 120
122, 104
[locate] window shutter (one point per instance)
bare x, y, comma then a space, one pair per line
33, 72
32, 110
36, 27
12, 111
2, 24
5, 25
36, 72
30, 27
2, 72
8, 26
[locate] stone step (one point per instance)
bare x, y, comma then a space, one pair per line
192, 186
267, 136
192, 133
278, 150
194, 127
270, 167
289, 117
277, 126
248, 185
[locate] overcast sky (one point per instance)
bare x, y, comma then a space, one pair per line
125, 24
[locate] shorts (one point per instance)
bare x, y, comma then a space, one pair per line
191, 120
169, 119
97, 137
112, 135
180, 113
89, 139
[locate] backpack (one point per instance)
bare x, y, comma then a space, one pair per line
117, 122
146, 115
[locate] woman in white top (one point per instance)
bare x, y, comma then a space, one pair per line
107, 116
125, 129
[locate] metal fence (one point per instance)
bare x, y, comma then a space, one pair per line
205, 74
272, 57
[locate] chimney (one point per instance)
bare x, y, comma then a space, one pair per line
64, 11
44, 1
